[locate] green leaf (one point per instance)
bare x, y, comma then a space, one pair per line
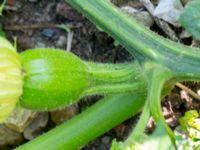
190, 123
190, 18
183, 142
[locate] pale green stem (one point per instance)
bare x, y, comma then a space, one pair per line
141, 125
115, 88
100, 73
113, 78
157, 78
140, 41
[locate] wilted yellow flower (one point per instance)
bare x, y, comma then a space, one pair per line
10, 78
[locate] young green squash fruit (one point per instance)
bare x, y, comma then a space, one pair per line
56, 78
52, 78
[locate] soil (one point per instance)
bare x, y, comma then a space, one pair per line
34, 24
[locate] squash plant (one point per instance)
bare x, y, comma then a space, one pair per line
53, 79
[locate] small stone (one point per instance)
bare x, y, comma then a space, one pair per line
49, 33
20, 119
35, 128
62, 40
169, 10
18, 5
142, 16
196, 43
40, 45
62, 115
184, 34
9, 136
150, 125
106, 140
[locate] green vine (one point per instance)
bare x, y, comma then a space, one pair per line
53, 79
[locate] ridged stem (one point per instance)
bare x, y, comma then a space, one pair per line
123, 72
113, 78
142, 123
90, 124
140, 41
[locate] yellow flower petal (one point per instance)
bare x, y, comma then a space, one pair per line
11, 80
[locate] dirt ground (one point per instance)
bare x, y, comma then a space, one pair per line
35, 24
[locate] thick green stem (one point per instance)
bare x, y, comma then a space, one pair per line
139, 41
90, 124
157, 77
142, 123
116, 88
113, 73
113, 78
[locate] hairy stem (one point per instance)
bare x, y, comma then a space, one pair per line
113, 73
141, 125
157, 77
139, 41
90, 124
113, 78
